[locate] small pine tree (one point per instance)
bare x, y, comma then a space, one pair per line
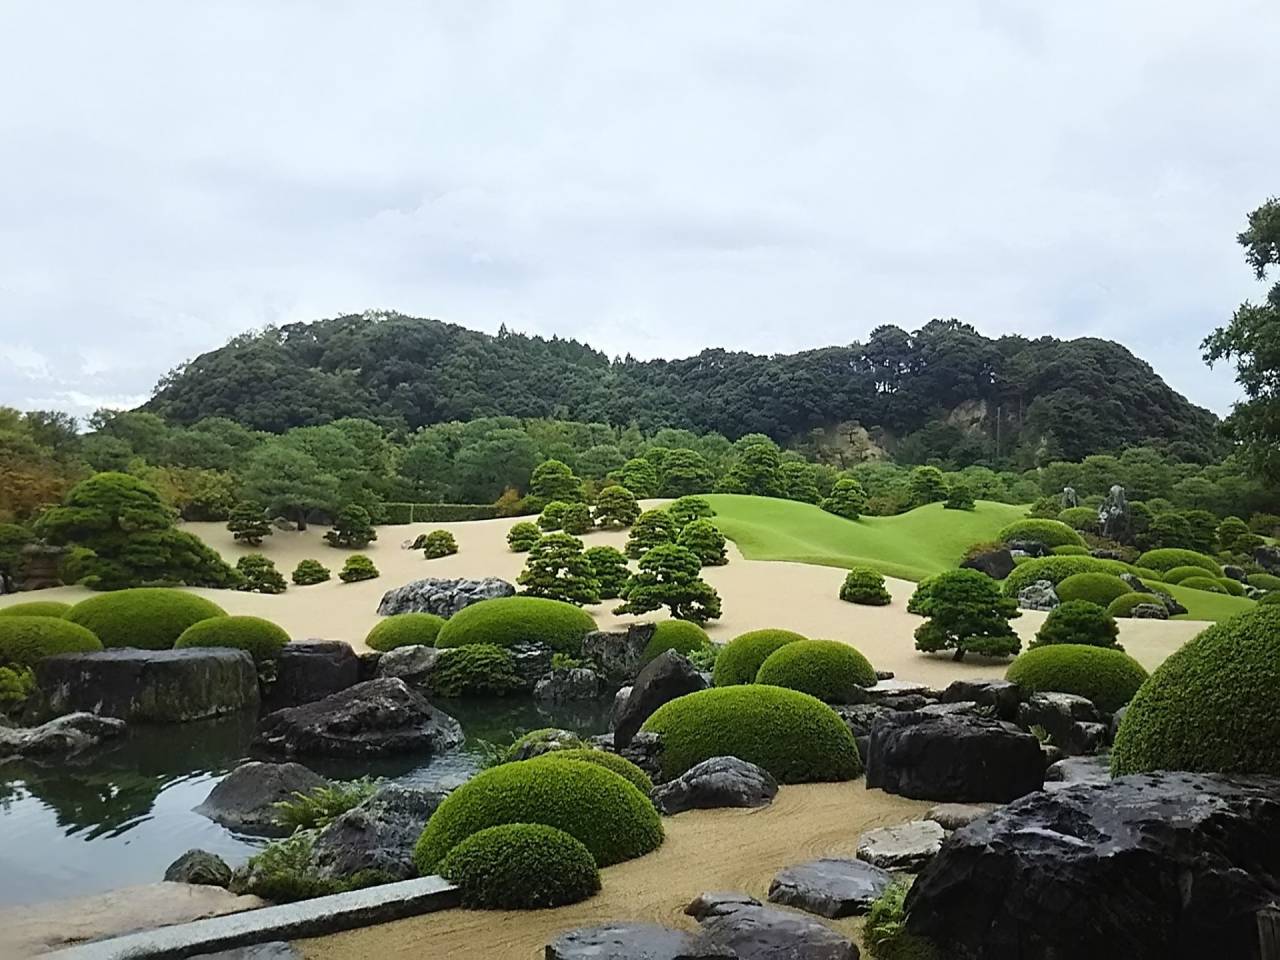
308, 572
927, 485
705, 541
553, 480
352, 528
847, 499
651, 529
609, 566
575, 519
248, 524
668, 577
358, 567
616, 507
866, 586
959, 497
1229, 532
967, 613
259, 575
522, 536
558, 569
687, 509
552, 516
439, 543
637, 475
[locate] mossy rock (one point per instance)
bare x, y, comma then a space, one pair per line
827, 669
507, 621
1107, 677
36, 608
149, 618
521, 866
261, 638
404, 630
741, 657
24, 640
681, 636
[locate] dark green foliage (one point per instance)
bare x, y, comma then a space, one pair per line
1122, 606
652, 529
1052, 533
885, 933
1211, 705
1080, 518
36, 608
1081, 622
352, 529
1070, 550
1209, 584
476, 670
283, 872
357, 567
847, 499
679, 635
404, 630
521, 866
706, 542
553, 480
796, 737
668, 577
757, 469
1055, 570
967, 613
558, 569
610, 761
288, 481
150, 618
866, 586
1233, 587
609, 568
310, 571
1233, 536
1107, 677
1167, 558
554, 739
1178, 574
684, 472
1263, 581
552, 515
740, 659
616, 507
24, 640
687, 509
1167, 531
439, 543
1269, 599
321, 806
12, 539
261, 638
402, 513
575, 518
259, 575
17, 685
613, 819
927, 485
248, 524
637, 475
959, 497
799, 481
522, 536
506, 621
826, 669
1096, 587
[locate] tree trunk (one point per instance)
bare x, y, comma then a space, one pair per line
302, 518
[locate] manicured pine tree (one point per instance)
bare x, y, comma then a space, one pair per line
558, 569
352, 528
705, 541
616, 507
652, 528
248, 524
847, 499
522, 536
553, 480
687, 509
968, 614
609, 565
260, 574
575, 519
668, 577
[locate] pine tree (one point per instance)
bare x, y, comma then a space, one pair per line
558, 569
668, 577
352, 528
248, 524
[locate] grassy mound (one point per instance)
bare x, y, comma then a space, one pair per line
507, 621
36, 608
1178, 574
610, 761
261, 638
24, 640
741, 657
826, 669
678, 635
1107, 677
1052, 533
151, 618
1166, 558
1207, 584
521, 866
796, 737
1122, 606
1095, 587
1055, 570
1233, 587
404, 630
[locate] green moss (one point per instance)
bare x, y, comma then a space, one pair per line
1078, 621
610, 761
261, 638
865, 586
36, 608
826, 669
476, 670
24, 640
1107, 677
1166, 558
151, 618
554, 738
1100, 588
678, 635
1070, 550
404, 630
740, 659
521, 866
506, 621
1052, 533
796, 737
1208, 584
1123, 605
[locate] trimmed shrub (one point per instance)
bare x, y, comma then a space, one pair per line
439, 543
476, 670
613, 819
1080, 622
150, 618
248, 524
847, 499
1080, 518
358, 567
685, 510
1099, 588
261, 638
826, 669
552, 516
36, 608
1263, 581
609, 568
1070, 550
1211, 706
352, 528
1209, 584
1144, 574
959, 497
308, 572
1166, 558
610, 761
705, 542
865, 586
616, 507
1055, 570
1178, 574
24, 640
1122, 606
558, 569
575, 518
1052, 533
506, 621
548, 740
522, 536
741, 657
652, 529
521, 866
966, 613
668, 577
796, 737
259, 575
1109, 678
1233, 587
404, 630
678, 635
1269, 598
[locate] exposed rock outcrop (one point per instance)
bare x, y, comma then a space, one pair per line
443, 597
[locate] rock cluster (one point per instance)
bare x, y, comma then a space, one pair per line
443, 597
60, 738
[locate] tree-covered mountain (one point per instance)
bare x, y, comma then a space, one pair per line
945, 388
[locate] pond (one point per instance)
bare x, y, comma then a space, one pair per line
123, 814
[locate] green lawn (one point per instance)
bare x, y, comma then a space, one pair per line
1203, 605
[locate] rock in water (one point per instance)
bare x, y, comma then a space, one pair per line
830, 887
414, 664
717, 782
62, 737
667, 676
1167, 866
245, 799
379, 834
618, 653
441, 596
569, 683
311, 670
634, 941
199, 867
372, 719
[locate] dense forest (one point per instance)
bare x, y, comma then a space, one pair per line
944, 391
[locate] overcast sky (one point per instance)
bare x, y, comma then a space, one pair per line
653, 178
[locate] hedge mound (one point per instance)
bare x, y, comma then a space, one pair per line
1233, 587
866, 586
36, 608
1166, 558
521, 866
796, 737
24, 640
1264, 581
1211, 706
681, 636
610, 761
831, 671
1095, 587
741, 657
1123, 606
1208, 584
1107, 677
404, 630
1070, 550
261, 638
506, 621
151, 618
1080, 622
1056, 569
1052, 533
1178, 574
613, 819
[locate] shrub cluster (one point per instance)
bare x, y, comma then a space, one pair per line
741, 657
1166, 558
259, 575
150, 618
826, 669
1080, 622
310, 571
609, 568
439, 543
866, 586
1095, 587
616, 506
1070, 550
678, 635
24, 640
402, 513
1052, 533
1057, 569
847, 499
262, 639
358, 567
1107, 677
36, 608
476, 670
522, 536
558, 569
652, 529
404, 630
685, 510
1263, 581
610, 761
521, 866
507, 621
248, 524
1233, 587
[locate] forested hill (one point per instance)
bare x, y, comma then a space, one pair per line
944, 382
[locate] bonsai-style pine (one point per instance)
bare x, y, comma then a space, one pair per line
653, 528
609, 567
967, 614
616, 507
866, 586
637, 475
705, 541
687, 509
248, 524
959, 497
260, 574
558, 569
310, 571
552, 516
553, 480
439, 543
358, 567
575, 518
668, 577
522, 536
684, 472
1081, 622
847, 499
927, 485
352, 528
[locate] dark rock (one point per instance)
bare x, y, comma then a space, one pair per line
61, 737
564, 684
963, 759
718, 902
372, 719
906, 702
1234, 572
1101, 553
1149, 611
199, 867
1134, 584
1267, 557
1167, 866
996, 564
379, 834
369, 661
1038, 596
953, 816
245, 799
1174, 606
414, 664
1072, 721
634, 941
531, 662
830, 887
442, 597
717, 782
1028, 548
619, 701
861, 718
1115, 723
285, 524
311, 670
765, 933
667, 676
1078, 770
644, 750
618, 654
1115, 519
155, 686
1001, 696
884, 675
960, 709
906, 846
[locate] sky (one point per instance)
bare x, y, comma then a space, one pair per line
651, 178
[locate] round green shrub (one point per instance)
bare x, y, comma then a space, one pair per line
1233, 587
1263, 581
24, 640
1080, 518
404, 630
740, 658
309, 572
439, 543
521, 866
678, 635
1078, 621
1270, 598
613, 819
545, 740
261, 638
1099, 588
1211, 706
1052, 533
1178, 574
610, 761
865, 586
36, 608
1122, 606
1146, 573
1109, 678
258, 574
1055, 570
522, 536
150, 618
476, 670
1166, 558
506, 621
826, 669
1209, 584
357, 567
796, 737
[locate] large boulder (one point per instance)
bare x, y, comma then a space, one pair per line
1168, 866
618, 653
1267, 557
996, 564
440, 596
154, 686
718, 782
1072, 770
1038, 596
379, 834
311, 670
245, 799
666, 677
1115, 517
753, 932
372, 719
531, 662
61, 737
906, 846
199, 867
565, 684
1001, 696
634, 941
953, 758
1072, 721
830, 887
